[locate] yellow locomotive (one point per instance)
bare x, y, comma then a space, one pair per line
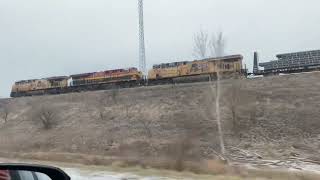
109, 76
224, 65
186, 71
39, 86
80, 82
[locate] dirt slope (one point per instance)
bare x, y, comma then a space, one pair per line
274, 116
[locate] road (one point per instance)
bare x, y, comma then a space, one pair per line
82, 172
78, 174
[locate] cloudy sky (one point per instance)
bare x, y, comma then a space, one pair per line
40, 38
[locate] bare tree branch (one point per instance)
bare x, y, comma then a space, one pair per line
217, 45
4, 112
114, 94
218, 116
233, 101
201, 40
147, 125
104, 101
203, 44
46, 115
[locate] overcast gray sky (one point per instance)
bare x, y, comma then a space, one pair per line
40, 38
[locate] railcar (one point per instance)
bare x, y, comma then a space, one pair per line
80, 82
117, 75
52, 85
184, 71
195, 70
106, 79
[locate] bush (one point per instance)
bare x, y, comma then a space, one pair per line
45, 115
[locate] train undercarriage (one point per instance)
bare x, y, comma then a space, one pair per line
124, 84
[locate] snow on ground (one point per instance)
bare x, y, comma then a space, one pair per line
77, 174
81, 172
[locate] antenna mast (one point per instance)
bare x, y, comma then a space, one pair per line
142, 53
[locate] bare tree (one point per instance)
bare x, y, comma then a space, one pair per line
217, 90
147, 127
144, 119
114, 94
217, 45
127, 107
233, 101
180, 152
46, 115
201, 42
5, 112
102, 112
186, 144
104, 101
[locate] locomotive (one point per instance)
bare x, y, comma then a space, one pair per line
190, 71
185, 71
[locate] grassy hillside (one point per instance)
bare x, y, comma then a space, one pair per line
274, 116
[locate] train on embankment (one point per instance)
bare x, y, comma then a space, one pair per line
166, 73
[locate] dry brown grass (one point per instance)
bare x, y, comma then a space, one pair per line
272, 109
283, 174
216, 167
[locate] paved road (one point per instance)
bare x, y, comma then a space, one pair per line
78, 174
81, 172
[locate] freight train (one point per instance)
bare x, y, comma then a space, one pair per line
185, 71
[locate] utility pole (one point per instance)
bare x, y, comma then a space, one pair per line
142, 53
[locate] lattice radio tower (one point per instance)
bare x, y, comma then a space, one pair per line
142, 53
